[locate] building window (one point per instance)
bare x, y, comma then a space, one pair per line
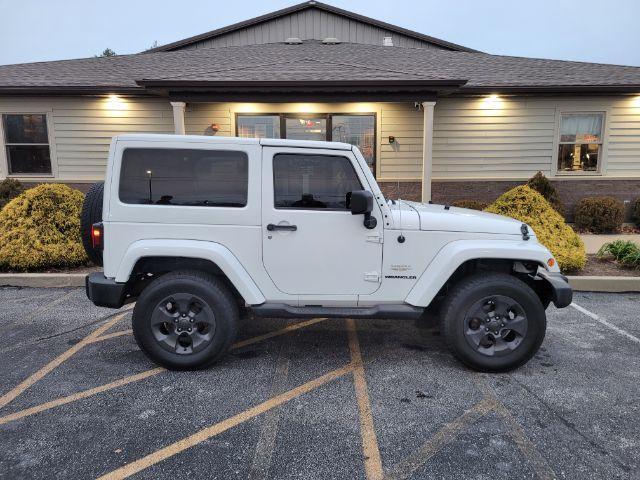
258, 126
26, 141
188, 177
314, 182
355, 129
580, 145
358, 130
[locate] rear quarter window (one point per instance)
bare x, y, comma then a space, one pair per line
184, 177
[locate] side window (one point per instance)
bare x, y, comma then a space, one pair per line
27, 144
202, 178
313, 181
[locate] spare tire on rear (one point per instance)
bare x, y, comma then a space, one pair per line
92, 213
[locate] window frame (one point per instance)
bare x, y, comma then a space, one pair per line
273, 180
600, 170
4, 159
327, 116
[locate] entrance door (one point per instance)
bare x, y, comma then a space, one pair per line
313, 245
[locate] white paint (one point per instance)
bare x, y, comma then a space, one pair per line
604, 322
178, 117
427, 150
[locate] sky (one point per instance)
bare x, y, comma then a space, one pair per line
585, 30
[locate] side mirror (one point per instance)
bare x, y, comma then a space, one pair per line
360, 202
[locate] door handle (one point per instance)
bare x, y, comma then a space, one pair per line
291, 228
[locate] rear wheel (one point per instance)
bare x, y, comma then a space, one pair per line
493, 322
185, 320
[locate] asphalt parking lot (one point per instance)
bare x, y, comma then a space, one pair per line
315, 399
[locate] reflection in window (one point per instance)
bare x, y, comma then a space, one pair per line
258, 126
306, 128
313, 181
358, 130
200, 178
580, 142
27, 144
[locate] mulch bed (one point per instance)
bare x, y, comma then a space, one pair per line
605, 267
83, 269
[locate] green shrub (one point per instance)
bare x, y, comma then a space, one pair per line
624, 252
471, 204
528, 206
9, 189
599, 214
40, 228
635, 212
544, 187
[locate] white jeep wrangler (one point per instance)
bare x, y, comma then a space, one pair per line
196, 229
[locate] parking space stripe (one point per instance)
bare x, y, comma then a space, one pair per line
220, 427
604, 322
139, 376
542, 468
108, 336
446, 435
269, 431
288, 328
80, 395
370, 450
40, 374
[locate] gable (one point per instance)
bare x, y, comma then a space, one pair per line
311, 21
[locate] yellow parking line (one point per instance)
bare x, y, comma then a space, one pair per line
372, 459
137, 377
526, 446
288, 328
220, 427
447, 434
16, 391
80, 395
119, 333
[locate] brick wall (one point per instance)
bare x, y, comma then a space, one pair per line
570, 191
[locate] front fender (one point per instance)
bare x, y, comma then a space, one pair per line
454, 254
214, 252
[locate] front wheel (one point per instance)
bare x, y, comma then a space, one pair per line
185, 320
493, 322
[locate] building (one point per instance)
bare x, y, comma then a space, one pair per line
435, 120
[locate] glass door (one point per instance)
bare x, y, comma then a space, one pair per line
306, 127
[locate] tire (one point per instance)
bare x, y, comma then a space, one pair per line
162, 318
92, 213
481, 309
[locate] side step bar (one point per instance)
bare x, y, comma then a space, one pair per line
281, 310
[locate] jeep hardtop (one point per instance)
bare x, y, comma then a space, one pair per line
197, 230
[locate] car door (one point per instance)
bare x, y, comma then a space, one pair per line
313, 245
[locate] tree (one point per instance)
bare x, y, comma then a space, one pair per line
107, 53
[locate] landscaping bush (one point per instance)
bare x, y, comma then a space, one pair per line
528, 206
624, 252
471, 204
544, 187
599, 214
40, 228
635, 212
9, 189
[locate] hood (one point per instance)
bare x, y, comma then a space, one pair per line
454, 219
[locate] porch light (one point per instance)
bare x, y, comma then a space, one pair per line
492, 101
114, 102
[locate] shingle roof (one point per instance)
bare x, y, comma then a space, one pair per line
314, 62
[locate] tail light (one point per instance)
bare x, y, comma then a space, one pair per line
97, 236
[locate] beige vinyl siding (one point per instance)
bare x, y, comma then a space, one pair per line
401, 160
623, 152
81, 128
310, 24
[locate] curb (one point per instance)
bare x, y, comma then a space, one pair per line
42, 280
605, 284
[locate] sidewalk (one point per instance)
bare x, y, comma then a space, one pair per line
593, 243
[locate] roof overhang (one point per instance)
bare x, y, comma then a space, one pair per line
72, 90
569, 90
301, 91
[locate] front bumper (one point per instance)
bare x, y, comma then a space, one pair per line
105, 292
561, 292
